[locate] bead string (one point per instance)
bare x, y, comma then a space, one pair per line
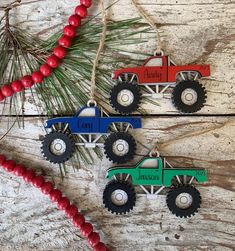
56, 196
54, 60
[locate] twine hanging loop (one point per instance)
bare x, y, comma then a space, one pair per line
98, 54
151, 22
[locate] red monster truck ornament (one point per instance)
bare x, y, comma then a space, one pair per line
159, 75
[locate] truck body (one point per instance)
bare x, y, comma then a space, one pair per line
160, 69
151, 171
88, 120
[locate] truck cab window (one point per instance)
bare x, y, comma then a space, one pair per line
149, 163
87, 112
154, 62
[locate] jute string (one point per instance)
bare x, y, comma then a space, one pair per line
99, 51
151, 22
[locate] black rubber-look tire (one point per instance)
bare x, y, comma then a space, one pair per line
194, 85
134, 88
110, 141
119, 185
49, 155
183, 212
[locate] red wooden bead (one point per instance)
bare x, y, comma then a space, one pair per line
81, 11
47, 187
2, 159
93, 239
63, 203
19, 170
78, 220
8, 165
2, 97
75, 20
28, 175
46, 70
65, 41
86, 3
55, 195
60, 51
7, 90
53, 61
71, 211
27, 81
37, 77
17, 86
38, 181
100, 247
86, 228
70, 31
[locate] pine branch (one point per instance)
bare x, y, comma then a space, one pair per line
69, 86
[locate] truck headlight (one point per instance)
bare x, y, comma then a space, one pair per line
113, 75
45, 124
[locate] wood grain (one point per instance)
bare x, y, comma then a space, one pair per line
30, 222
193, 31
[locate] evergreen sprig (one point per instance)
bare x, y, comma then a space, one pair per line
69, 86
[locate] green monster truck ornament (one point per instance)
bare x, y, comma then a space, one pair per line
153, 174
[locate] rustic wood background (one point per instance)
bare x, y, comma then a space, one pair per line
193, 31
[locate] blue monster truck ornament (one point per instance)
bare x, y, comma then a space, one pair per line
90, 125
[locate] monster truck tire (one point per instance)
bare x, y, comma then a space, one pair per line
177, 197
125, 97
181, 90
119, 197
120, 147
57, 147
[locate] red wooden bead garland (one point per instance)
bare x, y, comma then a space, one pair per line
28, 175
8, 165
65, 41
19, 170
38, 181
81, 11
75, 20
7, 90
47, 187
63, 203
55, 195
100, 247
27, 81
53, 61
70, 31
46, 70
86, 3
60, 51
93, 239
71, 211
17, 86
37, 77
86, 228
78, 220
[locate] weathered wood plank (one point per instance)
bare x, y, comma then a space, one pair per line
192, 31
30, 222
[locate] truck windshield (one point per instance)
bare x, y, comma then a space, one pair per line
87, 112
154, 62
149, 163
